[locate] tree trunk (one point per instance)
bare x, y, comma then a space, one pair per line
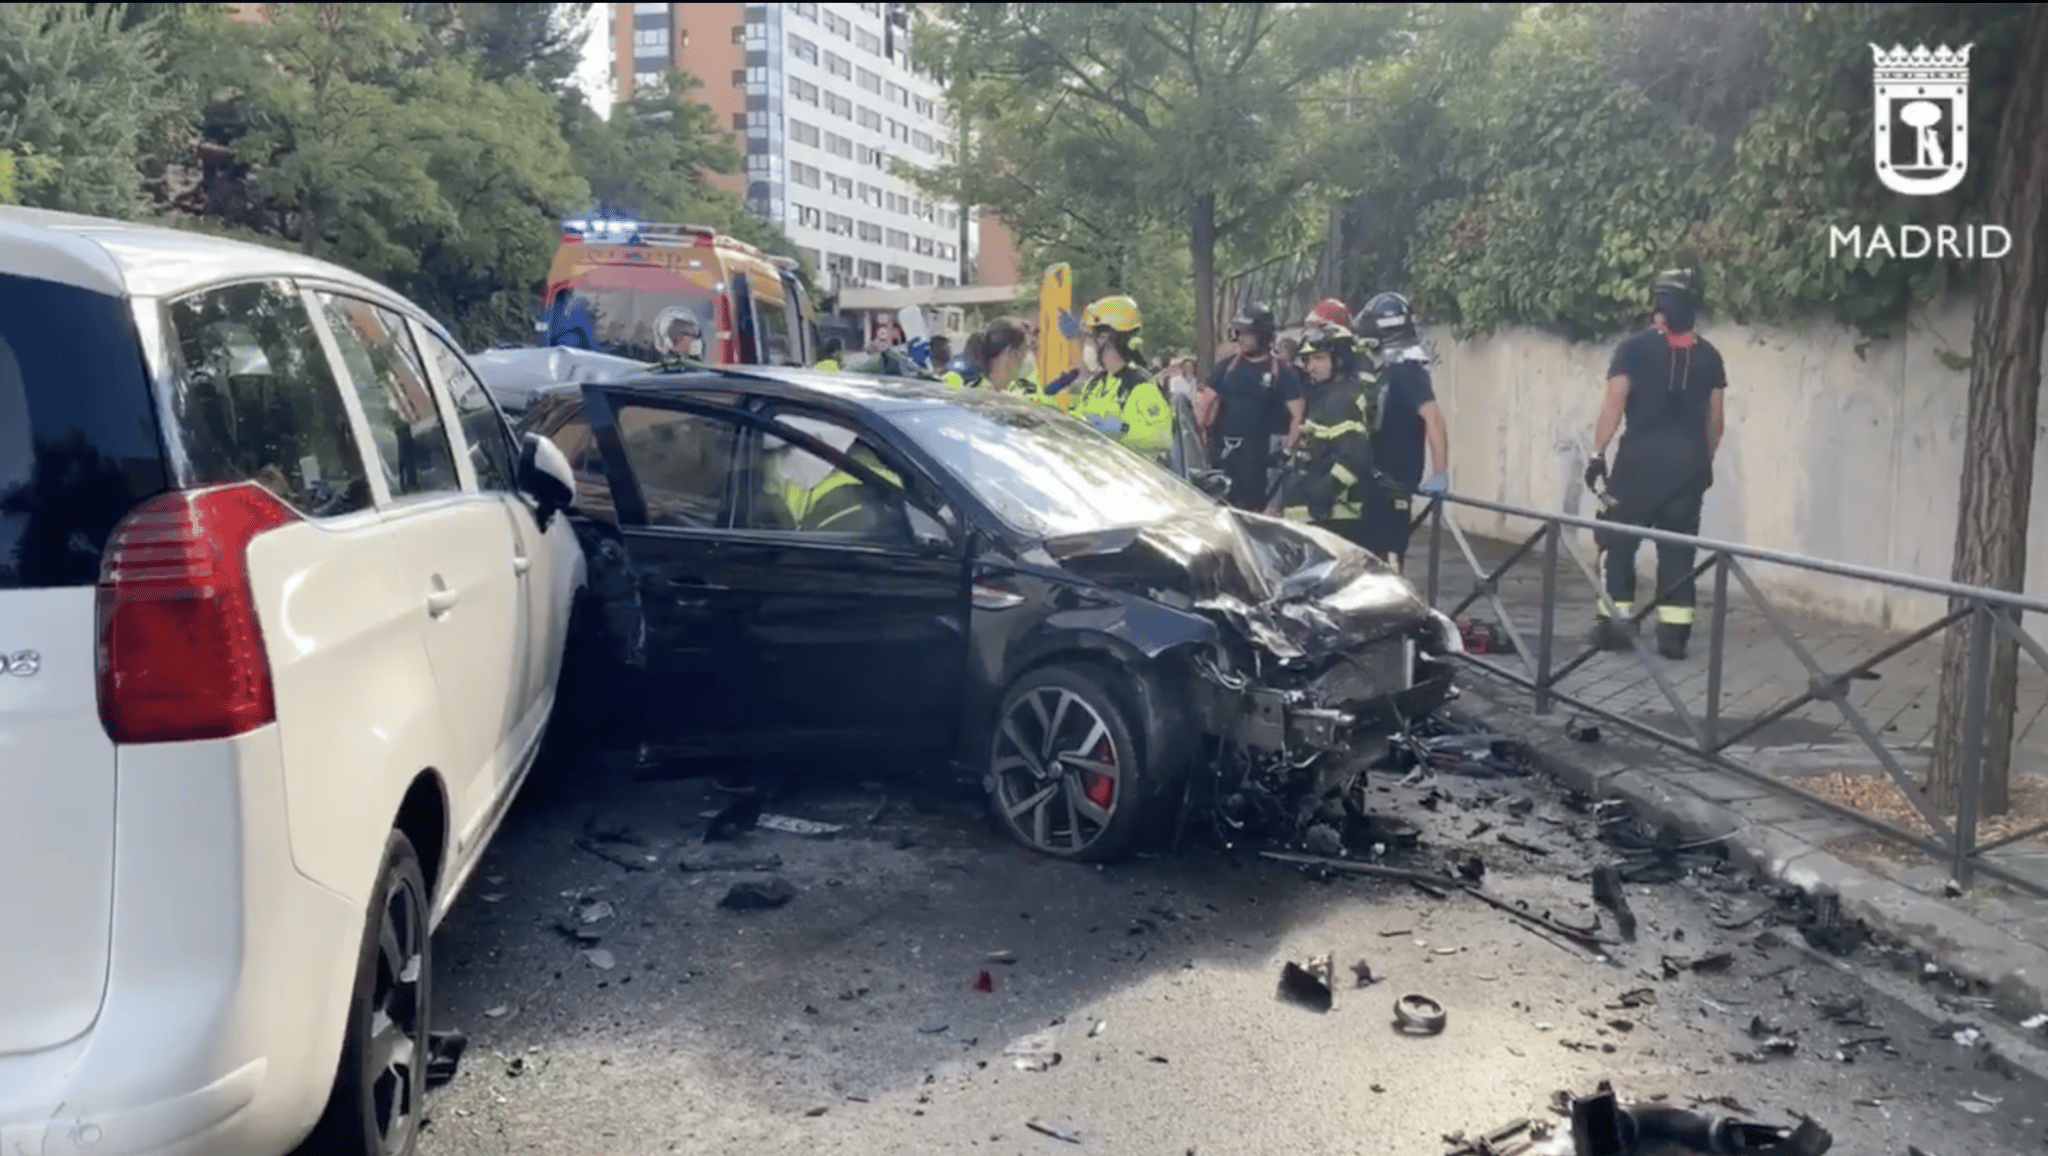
1202, 252
1999, 437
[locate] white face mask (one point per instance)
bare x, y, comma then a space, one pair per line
1091, 357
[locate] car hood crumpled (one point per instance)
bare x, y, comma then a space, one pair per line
1296, 592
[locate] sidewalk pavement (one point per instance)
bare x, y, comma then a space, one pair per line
1996, 933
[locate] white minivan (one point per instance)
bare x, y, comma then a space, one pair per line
282, 606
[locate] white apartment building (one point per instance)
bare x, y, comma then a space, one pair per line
823, 101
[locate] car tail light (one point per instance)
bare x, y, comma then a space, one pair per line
180, 649
995, 598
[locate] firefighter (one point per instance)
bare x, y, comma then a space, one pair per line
1121, 399
1410, 442
1665, 389
1334, 458
1250, 399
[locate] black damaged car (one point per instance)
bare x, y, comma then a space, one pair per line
856, 569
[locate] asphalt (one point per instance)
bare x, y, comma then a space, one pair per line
612, 1005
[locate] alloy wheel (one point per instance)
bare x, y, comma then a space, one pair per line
397, 1052
1058, 772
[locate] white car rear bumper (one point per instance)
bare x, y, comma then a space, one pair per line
229, 977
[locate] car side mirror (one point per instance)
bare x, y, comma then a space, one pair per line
545, 476
1214, 483
928, 533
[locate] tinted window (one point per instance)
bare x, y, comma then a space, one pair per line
796, 491
483, 427
1048, 474
257, 399
78, 439
385, 368
680, 461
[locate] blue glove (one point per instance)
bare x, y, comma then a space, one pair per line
1114, 427
1063, 381
1435, 485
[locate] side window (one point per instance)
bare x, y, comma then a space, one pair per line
258, 401
593, 490
681, 462
483, 427
773, 319
385, 368
798, 492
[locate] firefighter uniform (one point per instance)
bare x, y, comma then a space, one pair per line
1130, 407
1335, 460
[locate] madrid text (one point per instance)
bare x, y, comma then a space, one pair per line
1957, 242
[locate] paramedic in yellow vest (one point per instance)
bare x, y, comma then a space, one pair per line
964, 371
834, 351
810, 494
999, 352
1121, 399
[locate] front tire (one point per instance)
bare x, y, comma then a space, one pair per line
377, 1105
1067, 775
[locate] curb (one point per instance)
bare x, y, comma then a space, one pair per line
1955, 939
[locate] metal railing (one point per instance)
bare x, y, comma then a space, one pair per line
1708, 736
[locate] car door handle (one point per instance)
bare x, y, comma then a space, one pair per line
440, 602
521, 564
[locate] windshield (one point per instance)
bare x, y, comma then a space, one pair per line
643, 313
1047, 474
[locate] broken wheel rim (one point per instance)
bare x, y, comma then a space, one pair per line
1058, 771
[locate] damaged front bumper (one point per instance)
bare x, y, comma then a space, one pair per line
1308, 707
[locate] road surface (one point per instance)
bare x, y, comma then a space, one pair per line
619, 1009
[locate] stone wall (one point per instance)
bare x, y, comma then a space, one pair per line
1837, 447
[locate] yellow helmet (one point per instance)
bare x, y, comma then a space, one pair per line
1117, 313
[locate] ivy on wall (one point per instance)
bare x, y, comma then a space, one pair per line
1594, 144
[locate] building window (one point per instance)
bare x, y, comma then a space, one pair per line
870, 81
871, 270
807, 11
808, 216
838, 105
838, 66
871, 232
898, 239
650, 41
739, 122
649, 9
923, 246
898, 275
922, 105
739, 33
839, 224
920, 278
839, 25
652, 83
947, 252
803, 90
869, 42
870, 119
739, 77
805, 134
805, 175
839, 146
923, 141
803, 49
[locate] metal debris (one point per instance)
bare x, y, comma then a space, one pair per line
759, 895
1419, 1015
1308, 986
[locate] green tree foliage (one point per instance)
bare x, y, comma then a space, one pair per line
83, 100
1099, 120
538, 43
1594, 143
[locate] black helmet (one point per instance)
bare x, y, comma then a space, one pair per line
1256, 318
1326, 338
1681, 283
1389, 319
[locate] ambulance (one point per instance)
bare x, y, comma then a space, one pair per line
653, 291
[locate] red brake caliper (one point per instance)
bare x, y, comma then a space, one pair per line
1100, 788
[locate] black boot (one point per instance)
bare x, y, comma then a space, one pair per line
1671, 639
1613, 634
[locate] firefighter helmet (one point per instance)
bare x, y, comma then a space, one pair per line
1684, 284
1327, 337
1118, 314
1255, 318
1330, 311
1389, 319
